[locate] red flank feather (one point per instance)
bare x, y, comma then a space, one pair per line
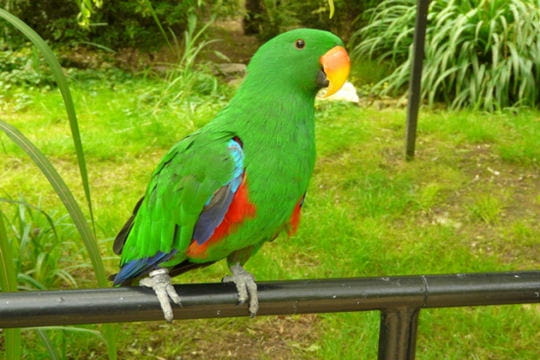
295, 217
239, 210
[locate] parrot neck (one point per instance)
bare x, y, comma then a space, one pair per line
276, 127
271, 105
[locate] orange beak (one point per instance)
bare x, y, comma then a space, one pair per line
336, 66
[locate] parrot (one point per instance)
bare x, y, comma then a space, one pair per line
241, 179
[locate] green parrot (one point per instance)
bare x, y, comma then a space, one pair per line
239, 181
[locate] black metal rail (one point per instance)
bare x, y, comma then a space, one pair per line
399, 299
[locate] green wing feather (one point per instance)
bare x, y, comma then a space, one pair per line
188, 175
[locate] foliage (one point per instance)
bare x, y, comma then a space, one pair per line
61, 80
348, 15
8, 282
38, 245
86, 233
54, 20
185, 81
115, 24
482, 54
86, 8
22, 68
267, 18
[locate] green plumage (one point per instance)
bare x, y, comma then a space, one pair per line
272, 115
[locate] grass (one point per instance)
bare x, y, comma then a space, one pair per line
469, 202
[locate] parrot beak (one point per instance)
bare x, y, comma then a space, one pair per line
335, 69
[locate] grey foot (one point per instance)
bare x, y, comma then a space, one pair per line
246, 287
160, 281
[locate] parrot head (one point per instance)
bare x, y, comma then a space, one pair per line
302, 60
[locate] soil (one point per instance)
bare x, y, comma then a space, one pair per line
276, 338
516, 186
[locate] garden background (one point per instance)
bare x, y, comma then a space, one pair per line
143, 74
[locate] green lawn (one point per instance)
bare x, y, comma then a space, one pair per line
469, 202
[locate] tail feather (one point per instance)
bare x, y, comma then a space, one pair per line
140, 267
126, 229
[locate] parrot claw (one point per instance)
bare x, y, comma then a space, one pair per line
246, 287
160, 281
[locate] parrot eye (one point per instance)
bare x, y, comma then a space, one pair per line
300, 44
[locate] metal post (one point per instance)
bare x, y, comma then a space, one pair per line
397, 333
416, 77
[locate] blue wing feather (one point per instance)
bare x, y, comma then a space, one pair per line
212, 215
218, 204
136, 267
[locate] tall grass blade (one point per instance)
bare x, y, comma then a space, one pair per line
158, 23
53, 354
73, 329
87, 234
22, 203
61, 80
65, 195
8, 281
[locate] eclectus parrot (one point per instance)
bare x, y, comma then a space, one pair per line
240, 180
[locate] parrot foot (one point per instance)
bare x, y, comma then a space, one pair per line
246, 287
160, 281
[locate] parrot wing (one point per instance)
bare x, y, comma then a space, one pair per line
195, 194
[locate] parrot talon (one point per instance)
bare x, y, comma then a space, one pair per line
246, 287
160, 281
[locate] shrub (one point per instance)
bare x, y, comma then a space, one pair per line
114, 24
267, 18
479, 53
347, 15
22, 68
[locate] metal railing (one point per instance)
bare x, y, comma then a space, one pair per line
398, 298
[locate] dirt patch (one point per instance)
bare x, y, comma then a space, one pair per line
507, 193
276, 338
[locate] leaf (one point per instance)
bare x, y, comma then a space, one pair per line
53, 354
87, 234
8, 281
331, 8
75, 212
61, 80
65, 196
476, 37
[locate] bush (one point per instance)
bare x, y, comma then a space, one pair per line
115, 24
54, 19
22, 68
348, 15
39, 247
267, 18
479, 53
